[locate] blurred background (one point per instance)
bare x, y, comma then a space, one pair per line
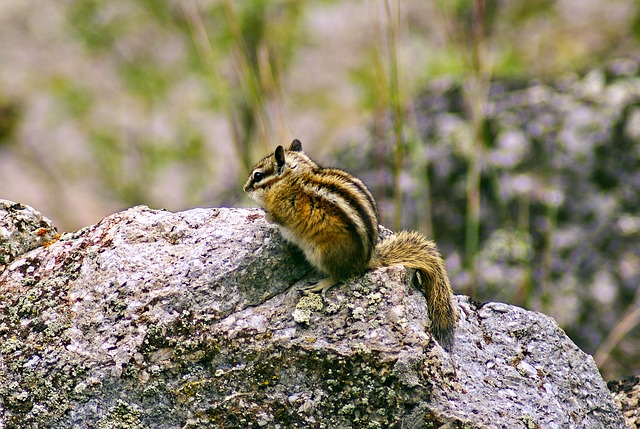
507, 131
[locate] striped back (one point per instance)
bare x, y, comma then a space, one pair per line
352, 202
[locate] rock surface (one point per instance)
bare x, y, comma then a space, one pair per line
152, 319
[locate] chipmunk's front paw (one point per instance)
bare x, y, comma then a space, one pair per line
322, 286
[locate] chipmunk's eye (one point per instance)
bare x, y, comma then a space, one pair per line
258, 176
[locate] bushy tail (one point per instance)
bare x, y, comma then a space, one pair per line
414, 250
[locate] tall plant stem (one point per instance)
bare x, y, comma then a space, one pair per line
476, 92
393, 18
628, 321
249, 78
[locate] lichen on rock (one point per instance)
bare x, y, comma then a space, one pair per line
21, 229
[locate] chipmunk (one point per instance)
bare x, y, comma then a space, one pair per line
333, 218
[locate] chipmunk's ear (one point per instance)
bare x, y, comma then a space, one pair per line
296, 145
279, 155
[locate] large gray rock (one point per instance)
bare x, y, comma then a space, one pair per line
152, 319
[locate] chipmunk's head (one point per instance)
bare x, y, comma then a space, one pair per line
276, 167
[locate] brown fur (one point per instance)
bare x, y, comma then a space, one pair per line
333, 218
414, 250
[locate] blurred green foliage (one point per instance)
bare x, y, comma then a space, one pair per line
75, 100
244, 50
85, 18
